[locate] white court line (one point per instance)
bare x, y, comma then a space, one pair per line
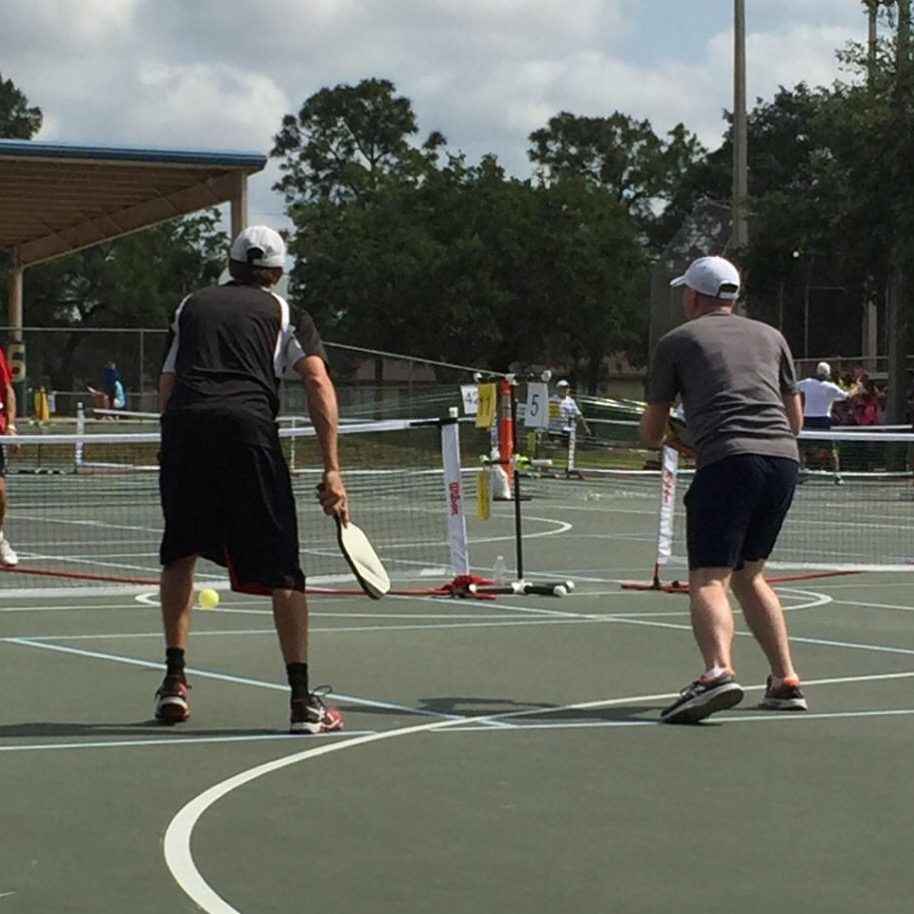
337, 630
176, 844
893, 606
768, 716
561, 526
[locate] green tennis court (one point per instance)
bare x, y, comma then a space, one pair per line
498, 755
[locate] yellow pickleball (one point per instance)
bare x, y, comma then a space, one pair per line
208, 598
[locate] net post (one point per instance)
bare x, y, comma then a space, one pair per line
518, 535
453, 492
666, 509
506, 425
292, 445
80, 430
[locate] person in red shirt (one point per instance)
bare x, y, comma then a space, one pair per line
7, 427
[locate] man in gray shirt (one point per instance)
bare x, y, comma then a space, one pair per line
736, 381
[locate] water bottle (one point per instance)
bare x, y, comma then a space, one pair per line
500, 572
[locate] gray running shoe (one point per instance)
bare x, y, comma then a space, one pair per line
786, 697
702, 698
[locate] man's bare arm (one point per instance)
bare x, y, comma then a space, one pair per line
324, 413
653, 423
166, 388
10, 400
794, 407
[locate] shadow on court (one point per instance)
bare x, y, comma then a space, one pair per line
519, 712
146, 728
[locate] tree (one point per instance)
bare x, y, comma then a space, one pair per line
596, 270
345, 140
623, 155
398, 250
819, 204
476, 268
17, 120
131, 282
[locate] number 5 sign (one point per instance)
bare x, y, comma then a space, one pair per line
536, 412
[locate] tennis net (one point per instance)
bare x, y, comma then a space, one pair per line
84, 509
853, 515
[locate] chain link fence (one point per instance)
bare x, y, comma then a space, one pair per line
68, 364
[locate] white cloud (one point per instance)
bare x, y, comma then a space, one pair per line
486, 73
799, 53
216, 104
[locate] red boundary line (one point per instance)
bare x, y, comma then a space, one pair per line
456, 588
678, 587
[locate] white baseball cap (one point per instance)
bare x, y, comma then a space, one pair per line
823, 369
711, 276
563, 384
259, 246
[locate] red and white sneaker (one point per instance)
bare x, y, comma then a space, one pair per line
311, 715
172, 705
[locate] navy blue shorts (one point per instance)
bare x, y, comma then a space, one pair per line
817, 423
735, 508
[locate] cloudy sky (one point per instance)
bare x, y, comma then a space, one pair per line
220, 74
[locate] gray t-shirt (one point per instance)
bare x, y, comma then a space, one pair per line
732, 374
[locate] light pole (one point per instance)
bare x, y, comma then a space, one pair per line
898, 303
740, 131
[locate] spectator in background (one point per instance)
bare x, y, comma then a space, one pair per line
113, 386
120, 396
819, 395
866, 404
7, 427
568, 411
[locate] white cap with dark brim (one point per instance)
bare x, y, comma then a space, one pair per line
711, 276
259, 246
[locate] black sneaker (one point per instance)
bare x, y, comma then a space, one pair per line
172, 706
702, 698
311, 715
785, 697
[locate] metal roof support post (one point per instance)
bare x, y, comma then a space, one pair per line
239, 204
15, 348
15, 292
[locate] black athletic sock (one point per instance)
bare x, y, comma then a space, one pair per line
174, 661
297, 674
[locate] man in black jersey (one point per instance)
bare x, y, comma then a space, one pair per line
225, 486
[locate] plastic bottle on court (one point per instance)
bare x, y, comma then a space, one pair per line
500, 572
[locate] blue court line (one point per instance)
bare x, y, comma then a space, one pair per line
237, 680
547, 616
571, 619
175, 741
